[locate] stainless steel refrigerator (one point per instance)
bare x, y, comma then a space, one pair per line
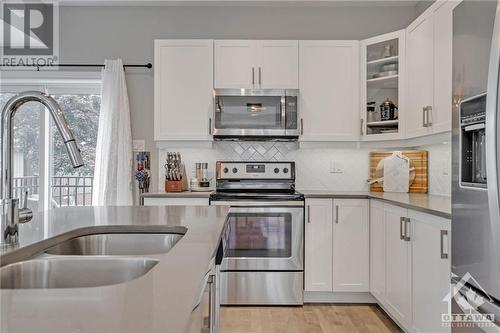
475, 165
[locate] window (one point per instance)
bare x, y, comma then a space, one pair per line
41, 163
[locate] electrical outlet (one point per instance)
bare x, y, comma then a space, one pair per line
336, 167
332, 166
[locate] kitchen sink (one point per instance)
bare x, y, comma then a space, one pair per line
73, 272
117, 244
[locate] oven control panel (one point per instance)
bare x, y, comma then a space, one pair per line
255, 170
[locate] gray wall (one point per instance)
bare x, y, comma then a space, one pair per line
91, 34
421, 6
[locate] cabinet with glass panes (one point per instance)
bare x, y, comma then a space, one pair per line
382, 69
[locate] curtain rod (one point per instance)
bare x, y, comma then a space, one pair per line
148, 65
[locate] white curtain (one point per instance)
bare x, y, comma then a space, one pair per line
113, 183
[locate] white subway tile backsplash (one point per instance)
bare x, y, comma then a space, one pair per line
313, 165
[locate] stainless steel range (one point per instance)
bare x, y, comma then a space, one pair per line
264, 258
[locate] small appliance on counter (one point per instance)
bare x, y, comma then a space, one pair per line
142, 172
175, 173
201, 181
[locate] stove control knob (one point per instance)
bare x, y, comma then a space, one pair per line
225, 170
285, 170
276, 170
235, 170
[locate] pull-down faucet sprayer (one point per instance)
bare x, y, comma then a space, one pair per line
10, 214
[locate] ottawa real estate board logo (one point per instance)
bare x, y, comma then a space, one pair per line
469, 302
29, 33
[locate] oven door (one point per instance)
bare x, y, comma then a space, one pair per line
265, 239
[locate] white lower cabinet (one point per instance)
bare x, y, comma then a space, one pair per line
318, 245
337, 245
377, 250
410, 265
398, 266
430, 241
351, 256
173, 201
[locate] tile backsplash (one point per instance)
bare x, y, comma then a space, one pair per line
317, 168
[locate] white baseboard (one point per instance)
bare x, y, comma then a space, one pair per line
338, 297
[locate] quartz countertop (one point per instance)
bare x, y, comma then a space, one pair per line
184, 194
159, 301
427, 203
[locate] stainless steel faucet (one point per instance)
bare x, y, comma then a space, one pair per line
11, 214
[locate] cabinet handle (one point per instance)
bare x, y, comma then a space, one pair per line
401, 227
407, 229
362, 122
212, 301
444, 255
424, 121
308, 214
209, 126
253, 76
429, 115
260, 76
301, 126
337, 214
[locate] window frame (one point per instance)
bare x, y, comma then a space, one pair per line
53, 82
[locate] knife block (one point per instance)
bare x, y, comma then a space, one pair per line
173, 185
177, 185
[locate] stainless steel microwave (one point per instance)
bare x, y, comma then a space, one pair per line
253, 114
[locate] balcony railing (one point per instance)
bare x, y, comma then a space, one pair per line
65, 190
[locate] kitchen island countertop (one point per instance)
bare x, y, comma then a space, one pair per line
159, 301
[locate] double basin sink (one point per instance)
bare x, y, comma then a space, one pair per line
90, 261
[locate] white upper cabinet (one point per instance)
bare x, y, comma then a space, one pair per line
183, 89
383, 72
431, 271
255, 64
420, 76
329, 90
279, 66
351, 257
236, 63
318, 245
429, 43
440, 116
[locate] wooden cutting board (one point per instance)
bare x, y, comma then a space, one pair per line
418, 160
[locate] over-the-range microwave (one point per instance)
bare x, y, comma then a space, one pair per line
256, 114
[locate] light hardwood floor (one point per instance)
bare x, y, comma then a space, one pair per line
311, 318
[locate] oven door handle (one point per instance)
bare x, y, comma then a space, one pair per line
251, 203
